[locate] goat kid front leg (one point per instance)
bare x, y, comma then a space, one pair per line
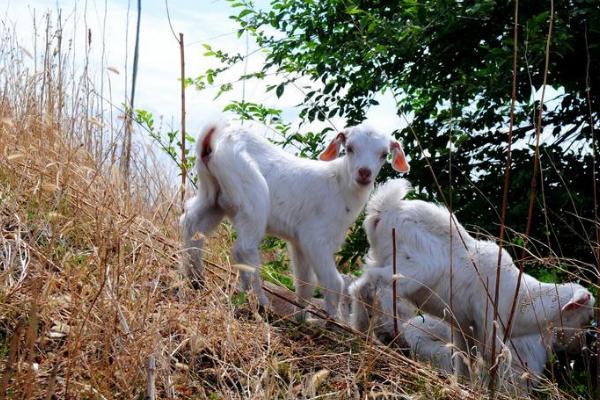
362, 293
461, 356
346, 299
329, 278
304, 279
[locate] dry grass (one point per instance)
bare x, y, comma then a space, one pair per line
91, 301
90, 290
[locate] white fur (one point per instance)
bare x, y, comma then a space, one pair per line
263, 189
429, 338
423, 265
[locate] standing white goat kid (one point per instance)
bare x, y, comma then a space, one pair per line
423, 260
263, 189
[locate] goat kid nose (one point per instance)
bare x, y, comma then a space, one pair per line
364, 173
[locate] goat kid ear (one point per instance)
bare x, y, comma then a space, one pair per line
333, 150
580, 299
399, 162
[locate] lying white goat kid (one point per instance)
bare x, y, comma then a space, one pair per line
423, 254
429, 338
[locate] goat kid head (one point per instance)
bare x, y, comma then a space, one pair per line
366, 151
569, 330
579, 309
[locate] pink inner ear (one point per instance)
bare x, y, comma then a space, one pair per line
333, 150
330, 153
399, 162
577, 303
206, 147
571, 306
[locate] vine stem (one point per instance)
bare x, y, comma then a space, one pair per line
493, 370
595, 193
532, 194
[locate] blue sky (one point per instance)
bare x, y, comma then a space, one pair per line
204, 21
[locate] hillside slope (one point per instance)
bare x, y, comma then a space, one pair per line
90, 296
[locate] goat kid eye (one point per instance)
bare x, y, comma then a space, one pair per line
349, 150
384, 156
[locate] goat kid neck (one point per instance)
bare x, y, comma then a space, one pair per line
355, 196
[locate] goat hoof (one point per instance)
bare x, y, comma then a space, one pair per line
300, 315
265, 313
198, 284
316, 322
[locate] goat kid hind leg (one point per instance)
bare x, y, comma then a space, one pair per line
245, 251
461, 357
198, 220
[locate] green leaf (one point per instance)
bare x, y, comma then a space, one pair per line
353, 10
245, 12
279, 90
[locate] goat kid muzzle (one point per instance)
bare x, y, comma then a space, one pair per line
363, 176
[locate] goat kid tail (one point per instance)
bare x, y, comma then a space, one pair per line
206, 143
388, 195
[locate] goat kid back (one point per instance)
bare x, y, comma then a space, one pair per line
423, 250
263, 189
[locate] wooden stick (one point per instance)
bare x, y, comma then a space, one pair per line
11, 360
183, 166
52, 382
394, 284
130, 113
507, 165
151, 384
594, 191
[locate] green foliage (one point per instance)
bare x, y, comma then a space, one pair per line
546, 275
238, 299
257, 112
169, 142
276, 270
449, 65
350, 255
